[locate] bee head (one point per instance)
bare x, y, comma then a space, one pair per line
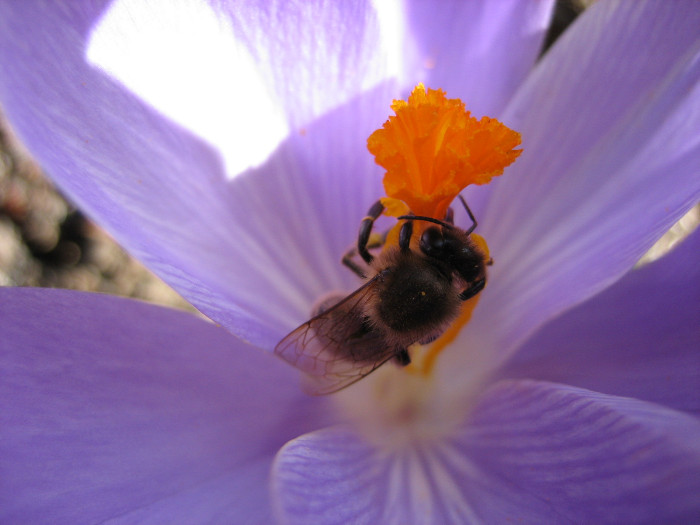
432, 242
455, 249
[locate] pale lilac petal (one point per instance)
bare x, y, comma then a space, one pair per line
640, 338
334, 476
479, 51
330, 476
163, 192
531, 453
544, 451
235, 497
317, 55
609, 120
112, 406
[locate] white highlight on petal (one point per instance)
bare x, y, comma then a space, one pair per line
396, 409
184, 61
400, 50
447, 480
422, 485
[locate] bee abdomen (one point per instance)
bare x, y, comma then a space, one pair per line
416, 300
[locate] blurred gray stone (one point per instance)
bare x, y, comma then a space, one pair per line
44, 241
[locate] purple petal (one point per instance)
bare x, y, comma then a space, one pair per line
479, 51
552, 451
531, 453
334, 476
163, 192
112, 405
609, 121
639, 338
237, 496
330, 476
315, 55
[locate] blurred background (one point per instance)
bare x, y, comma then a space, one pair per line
45, 241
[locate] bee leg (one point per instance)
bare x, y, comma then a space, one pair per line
450, 216
405, 234
471, 215
473, 290
376, 240
350, 263
366, 229
402, 357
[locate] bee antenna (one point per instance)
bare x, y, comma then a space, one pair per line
469, 212
426, 219
443, 223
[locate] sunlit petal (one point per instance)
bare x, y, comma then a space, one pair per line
479, 51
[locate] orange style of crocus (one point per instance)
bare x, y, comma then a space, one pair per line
433, 148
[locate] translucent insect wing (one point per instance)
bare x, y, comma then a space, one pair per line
336, 348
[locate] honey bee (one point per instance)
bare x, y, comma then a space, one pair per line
410, 296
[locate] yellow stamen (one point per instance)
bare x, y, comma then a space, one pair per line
433, 148
395, 207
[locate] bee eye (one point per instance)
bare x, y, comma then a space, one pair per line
432, 241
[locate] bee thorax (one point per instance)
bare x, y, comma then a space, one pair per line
415, 301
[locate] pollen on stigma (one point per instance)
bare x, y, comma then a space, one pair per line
432, 149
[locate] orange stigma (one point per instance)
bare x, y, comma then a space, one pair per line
433, 148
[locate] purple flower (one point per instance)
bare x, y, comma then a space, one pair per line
224, 146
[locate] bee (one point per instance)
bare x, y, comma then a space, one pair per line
411, 295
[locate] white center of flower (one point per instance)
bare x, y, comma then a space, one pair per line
395, 408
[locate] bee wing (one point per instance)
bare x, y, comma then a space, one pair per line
337, 347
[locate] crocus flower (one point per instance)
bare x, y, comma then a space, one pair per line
234, 165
